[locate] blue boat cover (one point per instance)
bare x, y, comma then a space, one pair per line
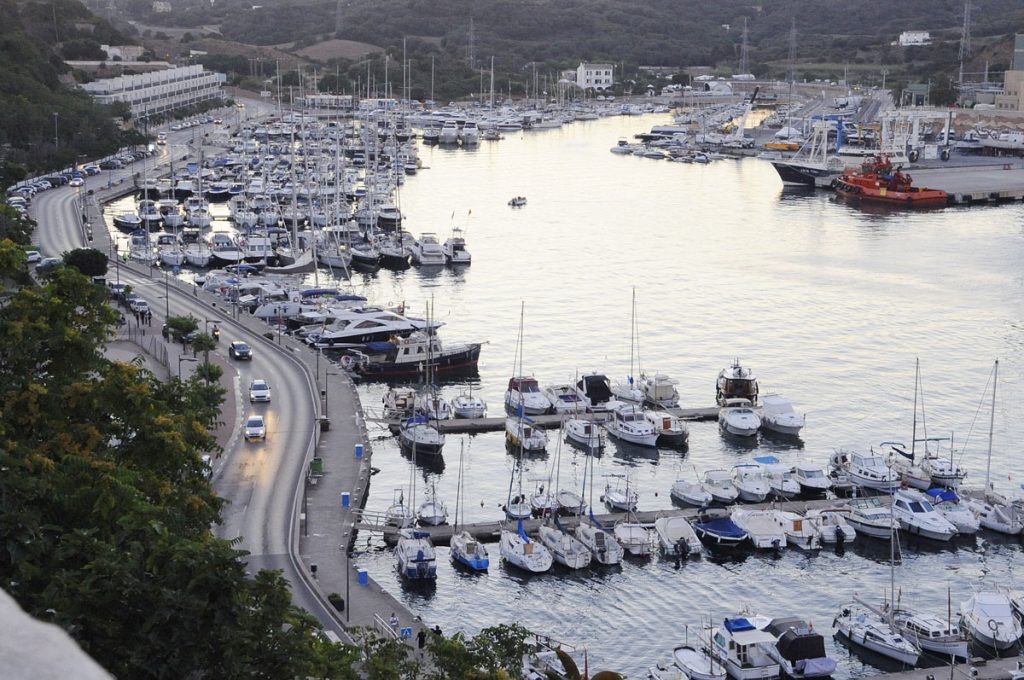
943, 495
380, 346
723, 527
767, 460
350, 296
737, 625
418, 419
522, 532
319, 291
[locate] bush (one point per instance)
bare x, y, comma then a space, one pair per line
89, 261
337, 601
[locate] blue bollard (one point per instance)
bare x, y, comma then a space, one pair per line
363, 577
345, 499
359, 451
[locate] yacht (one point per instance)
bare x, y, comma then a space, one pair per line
470, 134
931, 633
449, 133
691, 493
777, 415
676, 536
737, 417
454, 248
224, 250
466, 405
408, 356
743, 649
862, 626
524, 395
719, 483
831, 525
750, 483
659, 391
628, 423
948, 504
522, 434
800, 532
866, 470
518, 550
418, 435
415, 555
198, 254
869, 517
595, 391
168, 248
671, 430
988, 618
585, 432
427, 251
812, 479
761, 527
603, 547
799, 649
917, 517
565, 548
736, 382
362, 325
564, 399
944, 473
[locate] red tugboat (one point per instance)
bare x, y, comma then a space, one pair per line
878, 182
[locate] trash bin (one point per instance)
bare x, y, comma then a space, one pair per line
345, 499
359, 451
325, 424
363, 577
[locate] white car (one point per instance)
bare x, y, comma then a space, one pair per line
33, 256
259, 390
139, 305
255, 429
76, 182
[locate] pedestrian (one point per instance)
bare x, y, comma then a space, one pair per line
149, 318
421, 640
393, 622
437, 630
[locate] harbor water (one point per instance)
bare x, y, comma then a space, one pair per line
828, 304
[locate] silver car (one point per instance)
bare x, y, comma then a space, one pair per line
255, 429
259, 390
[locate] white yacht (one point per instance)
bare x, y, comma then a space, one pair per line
691, 493
636, 538
467, 405
799, 649
564, 547
812, 479
944, 473
595, 391
864, 627
917, 517
618, 495
988, 618
676, 536
738, 417
169, 250
659, 391
585, 432
427, 251
931, 633
996, 513
866, 470
831, 525
564, 399
777, 415
520, 433
948, 504
415, 556
518, 550
224, 249
449, 133
780, 477
869, 517
800, 532
523, 394
454, 248
628, 423
736, 382
603, 547
720, 485
750, 483
761, 527
743, 649
672, 431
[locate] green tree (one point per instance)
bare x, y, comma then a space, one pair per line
15, 226
180, 326
89, 261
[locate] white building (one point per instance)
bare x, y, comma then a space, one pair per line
909, 38
595, 76
153, 93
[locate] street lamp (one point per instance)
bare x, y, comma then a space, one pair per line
327, 390
167, 296
56, 141
184, 358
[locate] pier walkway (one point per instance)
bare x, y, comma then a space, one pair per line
1008, 668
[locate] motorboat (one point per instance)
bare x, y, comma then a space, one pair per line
677, 536
518, 550
415, 556
466, 405
427, 251
524, 395
878, 181
418, 435
470, 134
618, 495
127, 221
362, 325
399, 402
902, 464
564, 547
564, 399
750, 483
671, 430
931, 633
988, 618
224, 250
399, 514
866, 470
800, 532
691, 493
743, 649
603, 547
799, 649
736, 382
521, 433
948, 504
917, 517
780, 477
719, 532
595, 391
832, 526
517, 201
449, 133
996, 514
719, 483
863, 627
761, 527
659, 391
689, 663
869, 517
635, 538
169, 250
454, 248
432, 511
585, 432
943, 472
469, 552
738, 417
628, 423
542, 501
628, 392
812, 479
777, 415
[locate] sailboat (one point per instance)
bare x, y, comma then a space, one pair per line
639, 539
465, 549
414, 552
995, 511
629, 392
602, 545
518, 550
418, 432
432, 511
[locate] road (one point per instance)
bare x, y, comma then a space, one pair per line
260, 481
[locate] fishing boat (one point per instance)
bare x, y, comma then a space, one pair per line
618, 495
736, 382
743, 650
415, 556
628, 423
585, 433
878, 181
671, 430
677, 536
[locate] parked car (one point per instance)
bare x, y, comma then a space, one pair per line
48, 263
139, 305
33, 256
240, 350
117, 291
259, 390
255, 429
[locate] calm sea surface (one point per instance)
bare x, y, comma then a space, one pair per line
828, 304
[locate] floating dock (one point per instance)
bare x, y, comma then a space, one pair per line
989, 183
1007, 668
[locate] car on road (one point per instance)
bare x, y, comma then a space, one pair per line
255, 429
240, 350
259, 390
33, 256
76, 182
139, 305
48, 263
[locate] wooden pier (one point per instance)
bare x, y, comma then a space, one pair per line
549, 421
490, 532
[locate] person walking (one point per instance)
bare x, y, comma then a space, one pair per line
421, 640
393, 622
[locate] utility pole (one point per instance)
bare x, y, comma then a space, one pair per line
965, 39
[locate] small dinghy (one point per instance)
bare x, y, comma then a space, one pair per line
677, 536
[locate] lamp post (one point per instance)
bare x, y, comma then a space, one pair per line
327, 389
56, 140
184, 358
167, 296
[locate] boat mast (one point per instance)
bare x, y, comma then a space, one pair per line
991, 426
913, 431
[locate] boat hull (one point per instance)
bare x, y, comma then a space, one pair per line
453, 362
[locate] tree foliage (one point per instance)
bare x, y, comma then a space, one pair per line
88, 261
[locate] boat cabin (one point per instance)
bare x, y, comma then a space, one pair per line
741, 642
737, 382
523, 385
596, 388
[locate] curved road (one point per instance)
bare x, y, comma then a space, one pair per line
261, 482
